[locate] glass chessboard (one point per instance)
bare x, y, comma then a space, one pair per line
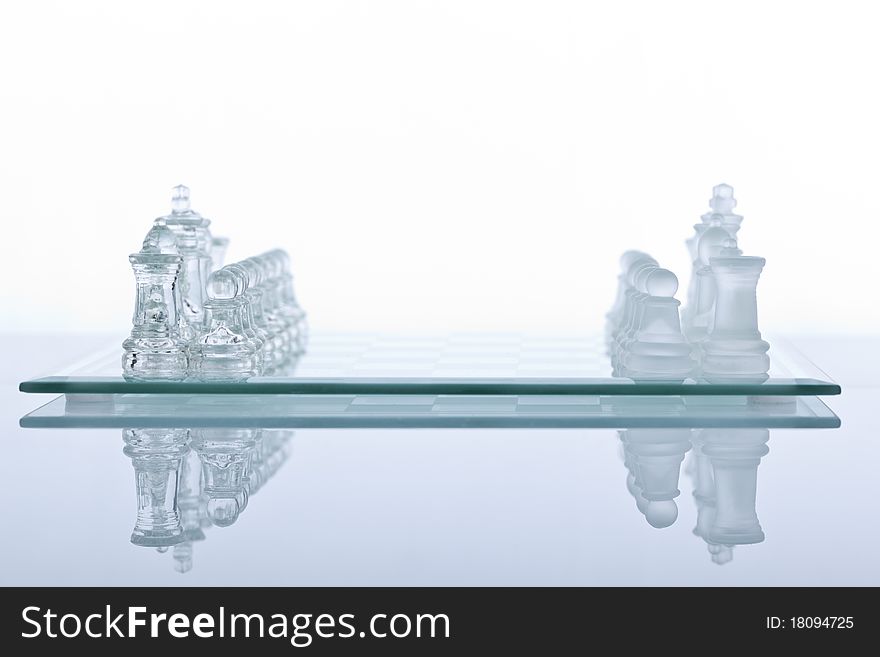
428, 411
457, 364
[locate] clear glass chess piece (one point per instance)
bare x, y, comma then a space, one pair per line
156, 455
194, 246
272, 354
219, 245
291, 305
225, 457
223, 351
275, 322
154, 350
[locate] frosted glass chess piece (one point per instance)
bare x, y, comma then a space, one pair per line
703, 478
156, 455
734, 350
223, 351
615, 315
154, 350
698, 314
655, 457
193, 238
225, 456
722, 204
735, 455
631, 297
632, 485
219, 246
657, 349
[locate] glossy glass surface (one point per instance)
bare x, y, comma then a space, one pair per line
465, 364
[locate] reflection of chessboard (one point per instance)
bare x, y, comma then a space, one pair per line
456, 355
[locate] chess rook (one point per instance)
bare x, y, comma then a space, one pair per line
156, 455
154, 350
734, 350
735, 455
703, 478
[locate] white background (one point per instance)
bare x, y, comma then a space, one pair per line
440, 165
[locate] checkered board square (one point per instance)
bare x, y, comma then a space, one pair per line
454, 356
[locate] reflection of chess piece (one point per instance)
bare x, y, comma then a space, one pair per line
156, 455
734, 350
191, 504
735, 455
653, 457
700, 469
193, 240
225, 455
154, 350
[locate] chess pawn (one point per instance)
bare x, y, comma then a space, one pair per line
734, 350
656, 456
275, 323
698, 314
632, 484
223, 352
291, 305
193, 244
154, 350
225, 456
657, 349
272, 354
289, 314
735, 455
219, 245
638, 266
156, 455
256, 335
612, 319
